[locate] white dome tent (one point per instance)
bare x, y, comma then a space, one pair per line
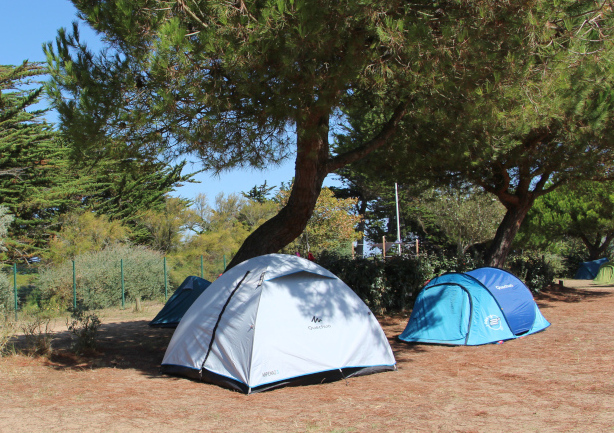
277, 320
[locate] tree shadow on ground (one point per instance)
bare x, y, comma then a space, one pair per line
134, 345
561, 293
124, 345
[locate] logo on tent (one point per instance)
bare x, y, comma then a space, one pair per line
493, 322
507, 286
321, 325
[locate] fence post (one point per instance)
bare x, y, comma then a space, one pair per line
384, 247
15, 287
165, 282
74, 287
121, 265
201, 267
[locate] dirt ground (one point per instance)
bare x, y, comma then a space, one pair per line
560, 380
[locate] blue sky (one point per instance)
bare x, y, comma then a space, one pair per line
25, 25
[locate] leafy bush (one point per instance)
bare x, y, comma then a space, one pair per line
84, 329
536, 272
386, 285
6, 296
392, 284
438, 264
85, 231
98, 278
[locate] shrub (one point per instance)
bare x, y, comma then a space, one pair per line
392, 284
536, 272
84, 330
38, 336
98, 277
7, 331
6, 296
384, 285
85, 231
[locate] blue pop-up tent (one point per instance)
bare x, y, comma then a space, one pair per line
589, 270
482, 306
176, 306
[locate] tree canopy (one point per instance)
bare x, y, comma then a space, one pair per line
526, 107
242, 84
40, 179
583, 210
36, 181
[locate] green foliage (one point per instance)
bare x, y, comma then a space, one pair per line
84, 330
165, 226
36, 182
392, 285
240, 86
131, 190
255, 213
332, 226
5, 220
583, 210
40, 181
573, 255
84, 232
466, 217
517, 110
534, 270
240, 75
7, 326
98, 277
213, 246
259, 193
6, 295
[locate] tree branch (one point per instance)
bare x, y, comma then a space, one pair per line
376, 142
12, 171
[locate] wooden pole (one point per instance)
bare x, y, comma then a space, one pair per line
384, 246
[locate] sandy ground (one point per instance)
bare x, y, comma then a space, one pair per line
560, 380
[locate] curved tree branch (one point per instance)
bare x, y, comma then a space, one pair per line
376, 142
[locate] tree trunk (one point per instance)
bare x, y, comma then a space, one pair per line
502, 243
309, 172
597, 249
313, 163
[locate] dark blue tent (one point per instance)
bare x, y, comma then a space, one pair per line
589, 270
176, 306
482, 306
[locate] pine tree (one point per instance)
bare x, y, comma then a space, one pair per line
40, 180
524, 109
583, 210
247, 84
35, 183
